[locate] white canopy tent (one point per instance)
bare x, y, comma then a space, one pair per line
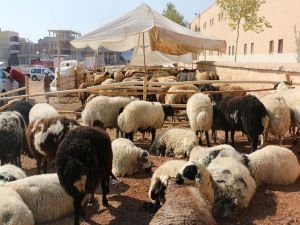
144, 27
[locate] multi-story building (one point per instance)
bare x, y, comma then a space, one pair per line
281, 43
9, 47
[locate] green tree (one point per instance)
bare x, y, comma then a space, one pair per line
171, 12
244, 13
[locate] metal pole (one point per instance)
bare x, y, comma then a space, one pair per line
58, 68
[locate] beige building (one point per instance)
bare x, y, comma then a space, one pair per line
280, 44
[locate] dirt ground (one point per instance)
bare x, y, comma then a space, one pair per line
271, 205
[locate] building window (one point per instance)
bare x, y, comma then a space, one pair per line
271, 47
212, 21
252, 48
221, 16
280, 45
229, 50
196, 28
245, 49
232, 49
204, 26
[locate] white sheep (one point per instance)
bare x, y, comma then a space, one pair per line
104, 110
194, 172
180, 97
13, 211
44, 196
127, 158
175, 141
274, 165
184, 205
199, 110
40, 111
279, 115
233, 184
9, 172
160, 177
206, 155
143, 116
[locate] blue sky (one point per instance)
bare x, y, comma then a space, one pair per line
32, 18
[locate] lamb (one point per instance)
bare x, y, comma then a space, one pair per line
194, 172
160, 177
181, 97
199, 110
233, 186
207, 155
244, 113
98, 79
83, 161
12, 138
40, 111
9, 172
13, 211
104, 111
23, 107
279, 115
44, 136
118, 76
83, 96
143, 116
184, 205
274, 165
127, 158
175, 141
44, 196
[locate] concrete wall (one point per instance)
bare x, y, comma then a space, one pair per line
284, 18
254, 72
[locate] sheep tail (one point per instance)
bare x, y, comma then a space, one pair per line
265, 122
202, 118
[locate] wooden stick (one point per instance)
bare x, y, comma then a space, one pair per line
13, 91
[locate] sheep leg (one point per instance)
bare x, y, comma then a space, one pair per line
232, 136
153, 132
38, 164
207, 138
78, 210
105, 190
226, 136
280, 140
198, 133
45, 166
254, 142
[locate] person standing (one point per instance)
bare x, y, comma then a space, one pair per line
18, 76
47, 81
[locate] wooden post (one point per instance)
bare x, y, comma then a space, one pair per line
288, 78
145, 68
27, 87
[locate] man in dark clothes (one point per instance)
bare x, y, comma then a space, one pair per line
47, 81
17, 76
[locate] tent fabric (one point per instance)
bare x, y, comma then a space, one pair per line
160, 33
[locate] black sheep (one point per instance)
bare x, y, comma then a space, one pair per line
83, 161
23, 107
243, 113
12, 137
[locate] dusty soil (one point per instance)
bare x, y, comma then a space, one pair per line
276, 205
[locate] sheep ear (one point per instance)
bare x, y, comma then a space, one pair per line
190, 172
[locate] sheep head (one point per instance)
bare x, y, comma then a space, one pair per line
159, 189
145, 161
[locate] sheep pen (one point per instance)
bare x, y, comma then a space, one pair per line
270, 204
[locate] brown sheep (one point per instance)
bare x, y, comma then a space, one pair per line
83, 95
184, 205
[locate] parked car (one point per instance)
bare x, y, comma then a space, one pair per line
37, 73
6, 84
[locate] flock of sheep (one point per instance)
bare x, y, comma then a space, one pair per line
203, 184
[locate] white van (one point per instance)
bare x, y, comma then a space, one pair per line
37, 73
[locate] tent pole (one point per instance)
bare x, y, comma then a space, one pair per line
145, 68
